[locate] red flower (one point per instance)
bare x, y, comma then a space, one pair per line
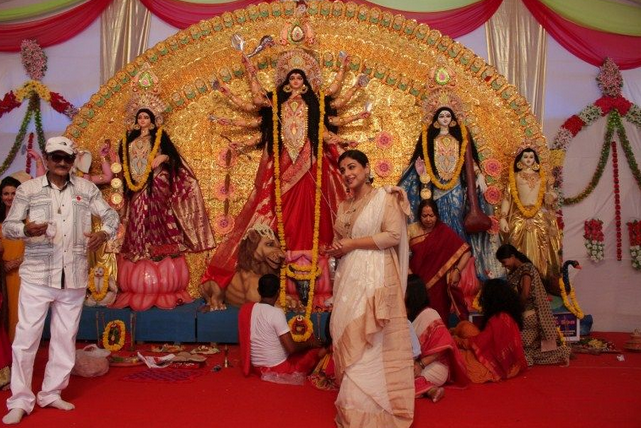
58, 103
619, 104
78, 198
574, 124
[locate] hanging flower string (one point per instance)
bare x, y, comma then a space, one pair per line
29, 147
634, 231
593, 234
98, 294
617, 198
299, 334
34, 61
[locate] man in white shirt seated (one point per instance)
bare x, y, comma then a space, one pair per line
266, 343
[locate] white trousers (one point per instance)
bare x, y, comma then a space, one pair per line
33, 303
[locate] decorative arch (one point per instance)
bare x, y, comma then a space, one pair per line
400, 56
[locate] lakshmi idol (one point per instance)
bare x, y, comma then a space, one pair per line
164, 214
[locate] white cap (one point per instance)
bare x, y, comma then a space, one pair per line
60, 144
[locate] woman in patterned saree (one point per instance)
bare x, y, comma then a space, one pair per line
370, 332
539, 329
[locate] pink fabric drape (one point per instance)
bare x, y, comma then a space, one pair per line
455, 22
591, 46
181, 14
53, 30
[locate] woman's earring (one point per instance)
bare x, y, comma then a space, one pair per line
519, 165
304, 89
137, 127
287, 88
436, 125
453, 124
152, 126
536, 166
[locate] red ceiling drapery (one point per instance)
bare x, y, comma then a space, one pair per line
53, 30
591, 46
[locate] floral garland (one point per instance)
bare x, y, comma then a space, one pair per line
113, 338
301, 328
313, 269
571, 304
459, 164
152, 155
613, 105
634, 230
293, 268
531, 212
35, 62
593, 234
98, 295
617, 198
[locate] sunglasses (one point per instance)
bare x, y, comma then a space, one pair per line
57, 157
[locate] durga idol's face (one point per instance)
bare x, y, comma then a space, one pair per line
296, 81
444, 118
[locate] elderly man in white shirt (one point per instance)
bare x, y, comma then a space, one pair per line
52, 213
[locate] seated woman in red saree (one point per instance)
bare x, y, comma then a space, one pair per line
495, 352
442, 260
440, 361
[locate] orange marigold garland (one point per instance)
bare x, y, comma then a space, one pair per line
113, 338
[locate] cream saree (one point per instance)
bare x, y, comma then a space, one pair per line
369, 327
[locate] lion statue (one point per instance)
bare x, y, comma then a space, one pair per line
259, 253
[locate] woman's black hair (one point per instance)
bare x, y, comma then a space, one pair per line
427, 203
432, 133
166, 147
313, 114
520, 155
416, 297
357, 155
497, 296
6, 182
506, 251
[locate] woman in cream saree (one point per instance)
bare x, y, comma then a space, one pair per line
369, 326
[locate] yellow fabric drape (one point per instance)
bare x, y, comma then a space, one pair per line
124, 34
517, 47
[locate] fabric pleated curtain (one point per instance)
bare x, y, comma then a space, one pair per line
124, 34
517, 47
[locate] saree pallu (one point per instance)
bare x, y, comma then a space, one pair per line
494, 354
169, 220
372, 351
435, 338
433, 256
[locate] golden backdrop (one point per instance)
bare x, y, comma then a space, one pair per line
401, 58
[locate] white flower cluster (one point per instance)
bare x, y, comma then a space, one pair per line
595, 249
635, 253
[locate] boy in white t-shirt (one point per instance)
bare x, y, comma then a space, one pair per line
271, 347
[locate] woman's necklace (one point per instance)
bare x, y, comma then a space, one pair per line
353, 206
